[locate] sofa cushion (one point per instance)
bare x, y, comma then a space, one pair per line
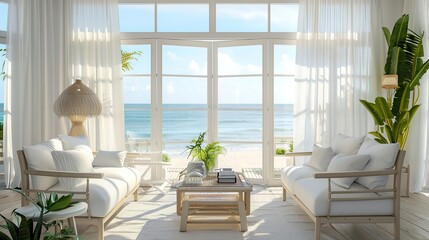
342, 162
39, 158
76, 143
347, 145
109, 159
72, 161
131, 176
320, 158
292, 173
104, 195
383, 157
313, 193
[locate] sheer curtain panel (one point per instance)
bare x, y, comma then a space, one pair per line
37, 53
339, 61
51, 43
418, 139
95, 54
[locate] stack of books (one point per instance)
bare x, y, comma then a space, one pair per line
226, 175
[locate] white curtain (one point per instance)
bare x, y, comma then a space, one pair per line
96, 59
339, 60
418, 140
50, 43
37, 73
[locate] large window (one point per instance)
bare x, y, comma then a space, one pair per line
209, 79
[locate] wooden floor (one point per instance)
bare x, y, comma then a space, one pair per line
414, 219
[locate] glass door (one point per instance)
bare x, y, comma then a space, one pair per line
184, 67
238, 100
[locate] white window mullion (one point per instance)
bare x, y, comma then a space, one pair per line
157, 96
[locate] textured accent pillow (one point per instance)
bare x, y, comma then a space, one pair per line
320, 158
383, 157
341, 163
76, 143
347, 145
72, 161
39, 158
109, 159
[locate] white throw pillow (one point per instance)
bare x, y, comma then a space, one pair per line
39, 158
383, 157
367, 143
72, 161
347, 145
76, 143
320, 158
342, 162
109, 159
70, 142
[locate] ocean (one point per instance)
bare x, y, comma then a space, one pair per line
183, 122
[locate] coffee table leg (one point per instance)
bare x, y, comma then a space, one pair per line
247, 202
242, 213
184, 218
179, 195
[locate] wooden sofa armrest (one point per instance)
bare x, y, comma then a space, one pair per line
65, 174
298, 154
353, 174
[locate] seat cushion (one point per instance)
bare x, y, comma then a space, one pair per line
313, 193
292, 173
131, 176
104, 194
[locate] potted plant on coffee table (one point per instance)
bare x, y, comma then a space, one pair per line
207, 154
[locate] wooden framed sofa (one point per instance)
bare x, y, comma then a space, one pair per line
326, 200
104, 189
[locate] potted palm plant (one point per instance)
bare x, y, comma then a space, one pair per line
207, 154
392, 116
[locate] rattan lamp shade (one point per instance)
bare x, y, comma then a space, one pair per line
77, 102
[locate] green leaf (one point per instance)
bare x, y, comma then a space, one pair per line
24, 229
419, 74
381, 138
389, 133
386, 34
13, 229
413, 111
381, 103
405, 100
62, 203
4, 236
371, 107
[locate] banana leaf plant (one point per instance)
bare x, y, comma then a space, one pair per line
21, 228
392, 116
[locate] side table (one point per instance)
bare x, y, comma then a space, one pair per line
31, 211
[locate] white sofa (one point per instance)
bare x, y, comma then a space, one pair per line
105, 189
366, 200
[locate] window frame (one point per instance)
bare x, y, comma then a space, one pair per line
211, 34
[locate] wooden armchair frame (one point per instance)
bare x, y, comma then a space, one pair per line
332, 197
99, 222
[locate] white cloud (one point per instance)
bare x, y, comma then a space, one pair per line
243, 12
196, 69
170, 87
173, 56
228, 66
287, 65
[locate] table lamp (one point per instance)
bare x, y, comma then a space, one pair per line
77, 102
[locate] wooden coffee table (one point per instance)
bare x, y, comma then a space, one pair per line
212, 198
